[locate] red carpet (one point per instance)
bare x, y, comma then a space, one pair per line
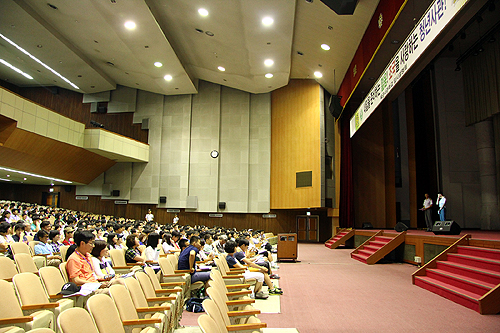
330, 292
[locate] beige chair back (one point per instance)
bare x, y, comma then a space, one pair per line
207, 324
105, 314
213, 311
118, 257
123, 302
7, 269
25, 263
64, 249
75, 320
153, 277
32, 246
174, 262
136, 293
9, 306
52, 279
64, 272
146, 284
166, 267
220, 304
29, 238
20, 247
29, 289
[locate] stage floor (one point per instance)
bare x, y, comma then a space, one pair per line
475, 234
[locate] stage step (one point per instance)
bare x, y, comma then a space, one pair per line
376, 248
339, 239
470, 277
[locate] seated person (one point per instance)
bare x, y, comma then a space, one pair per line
183, 243
44, 248
187, 261
79, 267
230, 247
45, 225
134, 255
54, 236
100, 264
169, 246
68, 236
152, 251
261, 260
19, 233
241, 257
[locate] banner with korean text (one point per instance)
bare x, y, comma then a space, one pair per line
435, 19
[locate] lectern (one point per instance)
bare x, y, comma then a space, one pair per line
287, 246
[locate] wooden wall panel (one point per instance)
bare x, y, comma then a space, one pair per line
368, 172
69, 103
34, 153
295, 144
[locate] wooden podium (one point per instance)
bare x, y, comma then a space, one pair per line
287, 246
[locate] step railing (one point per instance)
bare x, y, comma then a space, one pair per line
386, 249
356, 250
489, 303
442, 256
344, 238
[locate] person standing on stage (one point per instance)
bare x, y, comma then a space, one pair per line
427, 209
441, 202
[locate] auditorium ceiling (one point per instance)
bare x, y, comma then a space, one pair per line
88, 44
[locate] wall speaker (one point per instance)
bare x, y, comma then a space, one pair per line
367, 226
341, 7
163, 199
446, 228
334, 106
115, 193
222, 205
400, 227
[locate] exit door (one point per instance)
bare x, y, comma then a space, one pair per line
50, 199
307, 228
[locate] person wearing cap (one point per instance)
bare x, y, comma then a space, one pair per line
68, 235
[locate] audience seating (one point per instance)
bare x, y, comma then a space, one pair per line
207, 324
140, 301
107, 319
31, 293
64, 249
155, 279
230, 279
127, 310
64, 272
11, 312
53, 282
221, 319
25, 263
118, 260
76, 320
240, 310
20, 247
7, 269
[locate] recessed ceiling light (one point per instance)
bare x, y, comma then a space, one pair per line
130, 25
8, 175
269, 62
168, 77
209, 33
25, 178
222, 69
158, 64
325, 47
203, 12
38, 61
16, 69
267, 21
269, 75
318, 74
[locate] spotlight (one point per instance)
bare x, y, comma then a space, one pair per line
458, 69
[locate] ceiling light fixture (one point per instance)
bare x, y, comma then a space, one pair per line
222, 69
269, 75
269, 62
35, 175
203, 12
168, 77
6, 180
318, 74
16, 69
209, 33
325, 47
158, 64
267, 21
130, 25
38, 61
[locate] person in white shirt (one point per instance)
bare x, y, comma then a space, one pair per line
176, 219
169, 245
5, 236
149, 216
427, 209
441, 202
152, 250
14, 217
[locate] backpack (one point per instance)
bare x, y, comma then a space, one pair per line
194, 305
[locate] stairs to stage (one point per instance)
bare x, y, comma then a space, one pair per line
340, 238
377, 247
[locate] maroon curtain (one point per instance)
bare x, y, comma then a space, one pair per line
346, 204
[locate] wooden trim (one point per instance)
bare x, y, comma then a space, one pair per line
39, 306
255, 326
386, 249
243, 313
378, 233
145, 321
16, 320
153, 309
162, 298
240, 302
170, 284
489, 303
238, 286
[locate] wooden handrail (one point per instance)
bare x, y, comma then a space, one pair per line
16, 320
145, 321
378, 233
243, 313
489, 303
442, 256
239, 327
153, 309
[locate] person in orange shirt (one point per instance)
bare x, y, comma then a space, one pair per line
79, 266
